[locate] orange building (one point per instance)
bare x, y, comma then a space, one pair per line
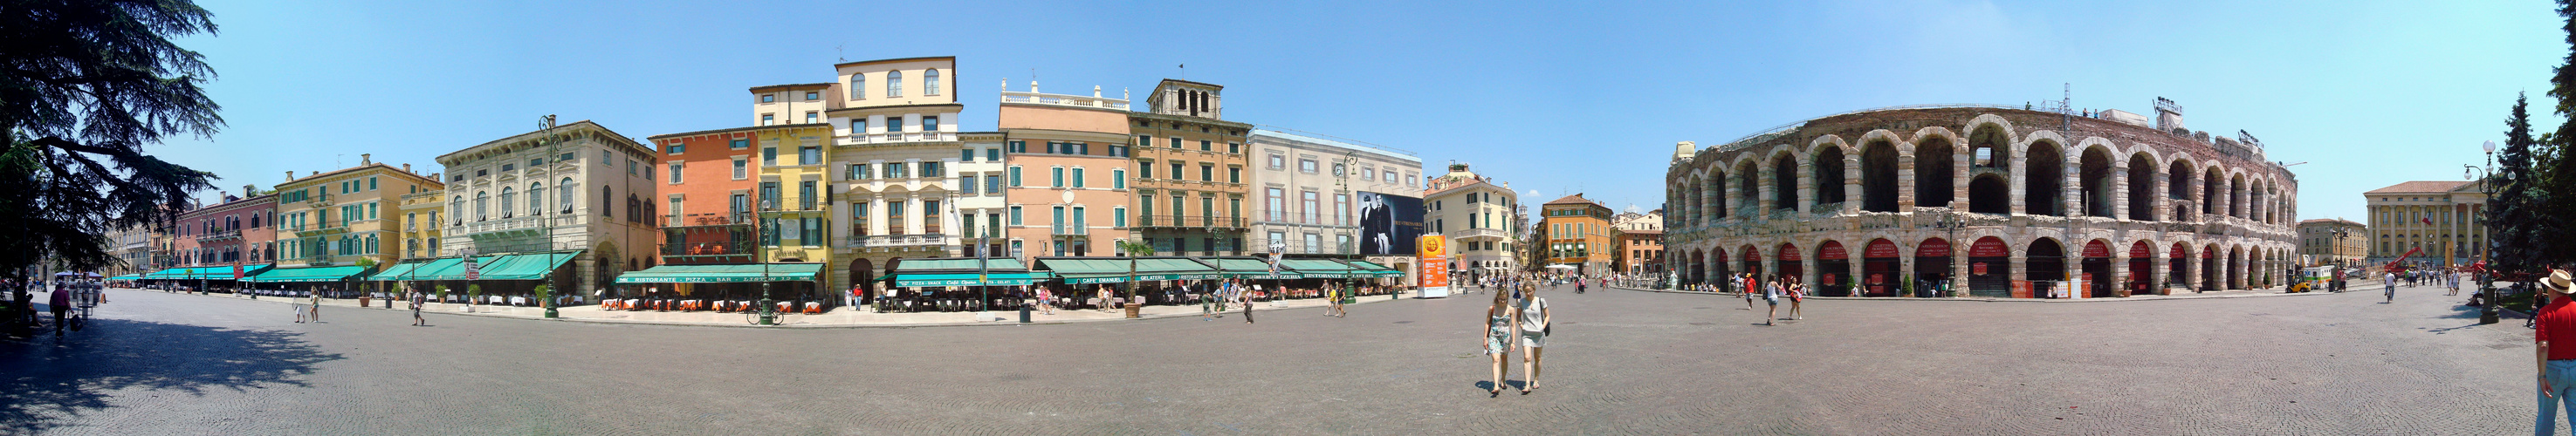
1578, 234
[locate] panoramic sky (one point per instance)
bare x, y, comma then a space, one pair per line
1555, 98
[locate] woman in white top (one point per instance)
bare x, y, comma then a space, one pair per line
1533, 315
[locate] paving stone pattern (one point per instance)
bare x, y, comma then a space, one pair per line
1621, 362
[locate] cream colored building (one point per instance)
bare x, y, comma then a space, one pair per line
2333, 242
2441, 218
1475, 213
576, 187
892, 153
1190, 189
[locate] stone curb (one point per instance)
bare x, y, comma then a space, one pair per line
2011, 300
1362, 300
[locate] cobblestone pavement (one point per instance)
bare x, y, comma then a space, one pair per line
1624, 362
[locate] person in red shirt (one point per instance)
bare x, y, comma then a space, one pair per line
2557, 365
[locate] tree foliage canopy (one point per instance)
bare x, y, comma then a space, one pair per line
87, 84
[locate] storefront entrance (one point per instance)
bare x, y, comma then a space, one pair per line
1833, 270
1932, 263
1880, 269
1990, 268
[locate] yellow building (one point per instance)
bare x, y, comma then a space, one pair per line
333, 226
1578, 234
420, 229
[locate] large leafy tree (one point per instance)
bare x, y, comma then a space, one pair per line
2554, 175
84, 85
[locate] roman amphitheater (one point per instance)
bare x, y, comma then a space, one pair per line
2073, 203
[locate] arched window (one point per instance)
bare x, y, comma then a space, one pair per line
536, 198
930, 82
564, 189
607, 202
482, 206
858, 86
456, 208
508, 198
894, 84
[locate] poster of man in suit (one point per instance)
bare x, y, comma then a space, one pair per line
1389, 224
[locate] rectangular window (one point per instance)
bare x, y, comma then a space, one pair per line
993, 185
895, 217
769, 98
371, 183
966, 155
1018, 146
675, 172
993, 154
741, 169
1176, 171
1176, 143
930, 217
811, 96
1015, 176
1234, 147
859, 218
769, 196
858, 126
768, 119
1118, 217
805, 195
813, 118
1077, 178
895, 171
1205, 145
894, 124
1145, 205
1055, 177
1278, 205
966, 185
1342, 209
1233, 175
737, 144
1118, 179
1309, 201
1058, 225
1015, 216
930, 124
932, 169
1306, 166
1145, 169
769, 156
1081, 224
810, 156
1207, 172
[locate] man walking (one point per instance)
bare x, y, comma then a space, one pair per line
2391, 289
60, 302
2454, 277
2557, 366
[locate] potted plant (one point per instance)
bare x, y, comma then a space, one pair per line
473, 293
545, 297
1133, 250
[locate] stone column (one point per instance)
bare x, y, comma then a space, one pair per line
1958, 268
1769, 198
2020, 268
2119, 192
2191, 268
1856, 269
1807, 269
2158, 267
2119, 278
1734, 195
1852, 196
1905, 179
2161, 197
2074, 264
1806, 186
2070, 187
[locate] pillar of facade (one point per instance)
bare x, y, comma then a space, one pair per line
1958, 269
2162, 199
2191, 269
1807, 270
2119, 279
2074, 265
1853, 198
2157, 268
2119, 194
2070, 187
2014, 190
1806, 186
1734, 195
1905, 180
1959, 166
2020, 268
1853, 277
1769, 198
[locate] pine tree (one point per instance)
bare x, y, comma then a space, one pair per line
2512, 216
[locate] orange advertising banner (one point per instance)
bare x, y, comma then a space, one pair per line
1433, 258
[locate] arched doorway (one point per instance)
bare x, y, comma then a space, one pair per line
2235, 268
2142, 272
1833, 268
862, 273
1790, 269
2097, 270
2043, 180
2176, 258
1753, 261
1933, 170
1878, 176
1829, 176
1990, 268
2093, 178
1724, 271
2046, 263
1881, 274
1932, 263
1784, 182
2209, 268
2142, 187
1988, 193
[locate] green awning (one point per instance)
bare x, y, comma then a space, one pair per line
396, 271
533, 266
1373, 269
957, 264
995, 279
447, 269
307, 274
203, 273
418, 270
1083, 271
736, 273
127, 277
1318, 268
1245, 267
1167, 268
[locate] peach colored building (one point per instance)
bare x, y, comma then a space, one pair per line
1066, 175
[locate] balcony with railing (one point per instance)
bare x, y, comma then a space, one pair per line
1496, 234
896, 138
519, 223
1013, 97
1189, 221
1300, 246
865, 241
219, 236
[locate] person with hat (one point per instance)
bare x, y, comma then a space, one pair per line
2557, 366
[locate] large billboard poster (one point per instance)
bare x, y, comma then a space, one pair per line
1434, 261
1389, 223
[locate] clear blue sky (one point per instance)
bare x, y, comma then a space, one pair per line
1553, 97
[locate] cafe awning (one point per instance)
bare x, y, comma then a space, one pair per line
1245, 267
1373, 269
1174, 268
307, 274
962, 271
1318, 268
734, 273
1086, 270
530, 266
203, 273
127, 277
418, 270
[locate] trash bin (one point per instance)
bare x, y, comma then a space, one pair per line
1024, 314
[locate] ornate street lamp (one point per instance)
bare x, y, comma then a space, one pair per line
2486, 282
1952, 223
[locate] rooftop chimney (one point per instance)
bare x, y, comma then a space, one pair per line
363, 158
290, 175
249, 191
407, 169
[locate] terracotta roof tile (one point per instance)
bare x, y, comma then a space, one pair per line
2420, 186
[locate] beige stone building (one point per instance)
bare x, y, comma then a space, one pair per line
1475, 212
2039, 197
2436, 220
1190, 180
2333, 242
895, 176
